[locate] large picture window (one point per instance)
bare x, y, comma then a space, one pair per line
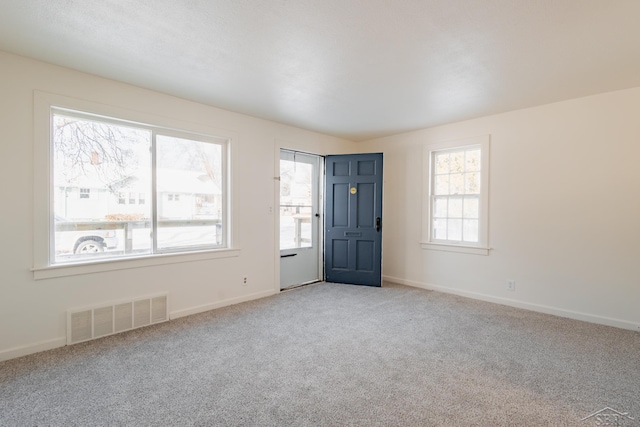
457, 197
113, 164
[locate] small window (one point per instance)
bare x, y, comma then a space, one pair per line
457, 197
141, 199
85, 193
122, 198
132, 198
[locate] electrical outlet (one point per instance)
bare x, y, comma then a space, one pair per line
511, 285
244, 281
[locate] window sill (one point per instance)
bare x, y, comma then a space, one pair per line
63, 270
474, 250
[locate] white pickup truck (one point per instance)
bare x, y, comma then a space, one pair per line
71, 240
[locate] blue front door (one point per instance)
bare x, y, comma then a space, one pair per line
353, 219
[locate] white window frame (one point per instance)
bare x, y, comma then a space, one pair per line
429, 152
43, 268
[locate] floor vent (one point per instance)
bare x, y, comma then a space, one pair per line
100, 321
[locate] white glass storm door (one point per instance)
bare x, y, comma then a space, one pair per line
299, 218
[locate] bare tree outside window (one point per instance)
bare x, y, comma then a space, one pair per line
98, 151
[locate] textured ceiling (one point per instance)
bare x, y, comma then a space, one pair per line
352, 68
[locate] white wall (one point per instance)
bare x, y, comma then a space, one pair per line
564, 210
32, 312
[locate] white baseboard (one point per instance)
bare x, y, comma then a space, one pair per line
12, 353
556, 311
231, 301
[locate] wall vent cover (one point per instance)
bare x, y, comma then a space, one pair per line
111, 318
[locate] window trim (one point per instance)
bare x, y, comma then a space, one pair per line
43, 201
429, 151
110, 264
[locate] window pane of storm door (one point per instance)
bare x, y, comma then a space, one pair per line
296, 204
